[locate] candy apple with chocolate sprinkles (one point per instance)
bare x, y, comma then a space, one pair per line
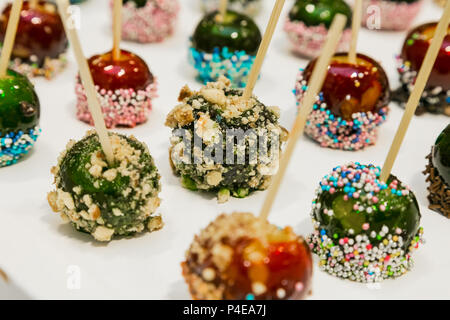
394, 15
436, 97
224, 45
438, 174
41, 43
352, 104
248, 7
19, 117
240, 256
125, 88
208, 114
148, 21
365, 230
308, 23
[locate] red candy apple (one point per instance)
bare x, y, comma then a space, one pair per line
40, 33
130, 71
352, 88
415, 47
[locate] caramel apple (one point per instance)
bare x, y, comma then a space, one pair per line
240, 256
436, 97
129, 71
125, 86
40, 42
352, 103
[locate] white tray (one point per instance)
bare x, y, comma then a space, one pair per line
43, 256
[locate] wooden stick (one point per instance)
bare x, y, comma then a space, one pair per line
416, 94
10, 36
88, 83
256, 68
117, 28
223, 8
4, 276
315, 84
33, 3
356, 25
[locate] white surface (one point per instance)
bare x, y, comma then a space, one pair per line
36, 249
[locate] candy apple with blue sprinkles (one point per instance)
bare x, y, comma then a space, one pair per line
365, 230
19, 117
224, 45
352, 104
19, 103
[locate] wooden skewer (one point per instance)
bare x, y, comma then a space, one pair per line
4, 276
117, 28
223, 8
356, 25
256, 68
88, 83
33, 4
315, 84
416, 94
10, 35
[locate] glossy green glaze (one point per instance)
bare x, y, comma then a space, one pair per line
19, 104
441, 155
236, 31
316, 12
108, 194
401, 212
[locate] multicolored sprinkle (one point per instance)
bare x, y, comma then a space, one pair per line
371, 255
235, 66
334, 132
434, 99
124, 107
152, 23
394, 15
309, 40
15, 145
49, 69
